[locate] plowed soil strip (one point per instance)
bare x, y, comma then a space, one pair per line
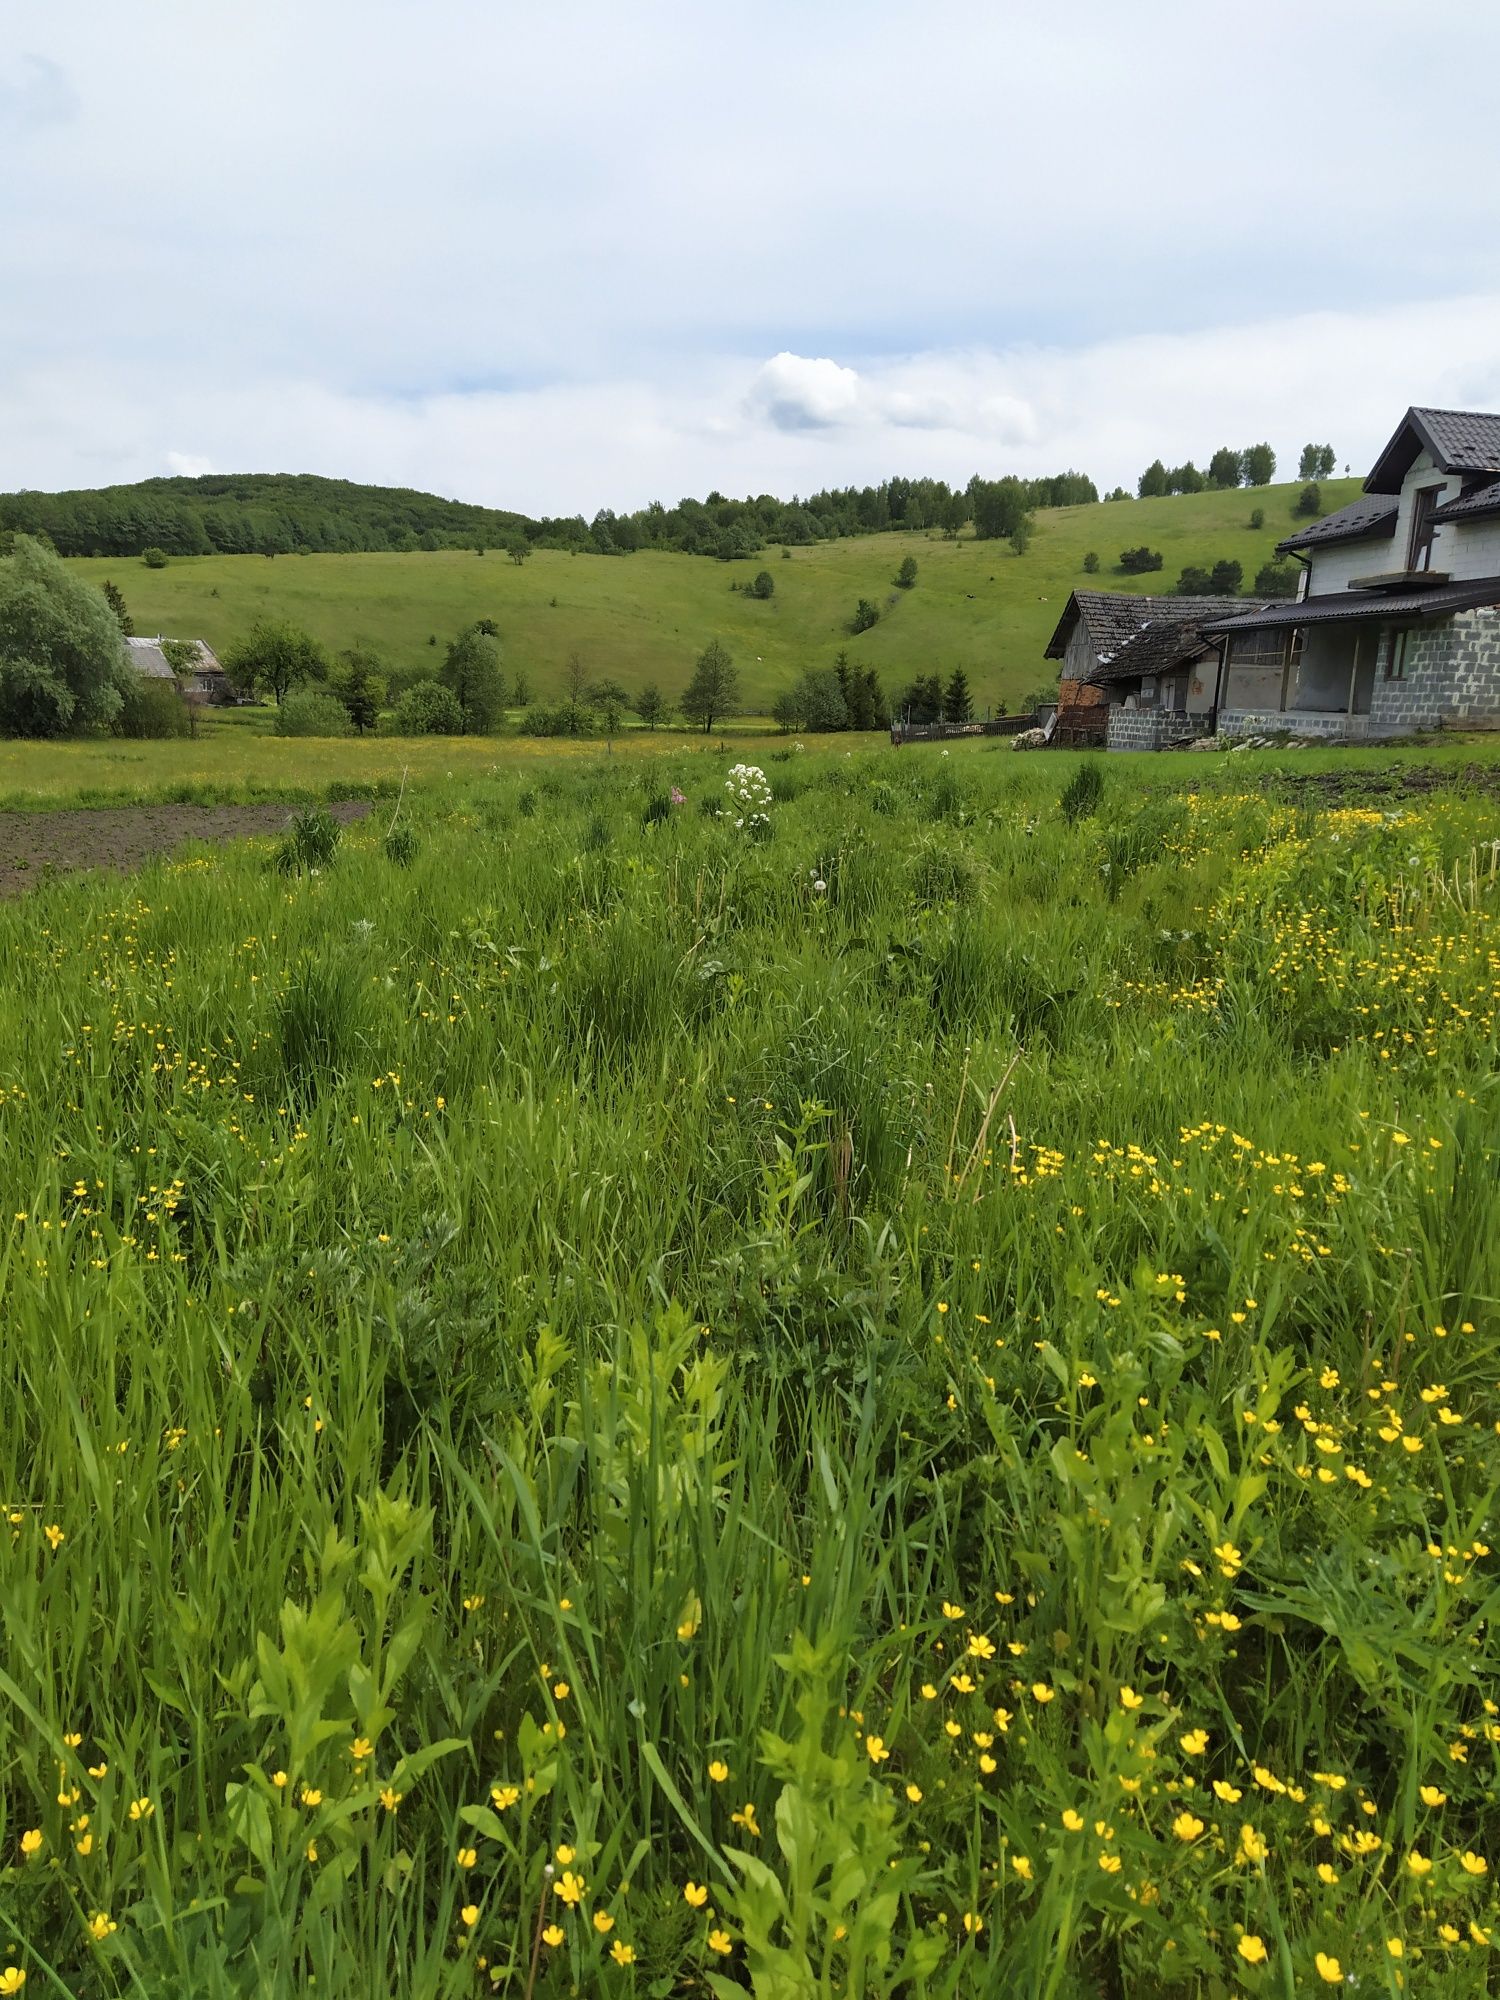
36, 845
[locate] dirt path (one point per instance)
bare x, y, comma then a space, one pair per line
1393, 781
36, 844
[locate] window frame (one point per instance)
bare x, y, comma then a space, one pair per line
1425, 501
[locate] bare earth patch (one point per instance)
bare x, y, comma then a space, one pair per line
34, 845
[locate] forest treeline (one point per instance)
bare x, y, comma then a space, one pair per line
274, 514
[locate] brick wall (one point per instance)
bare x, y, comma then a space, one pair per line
1152, 728
1452, 675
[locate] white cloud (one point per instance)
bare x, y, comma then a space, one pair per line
189, 464
544, 254
795, 394
1107, 409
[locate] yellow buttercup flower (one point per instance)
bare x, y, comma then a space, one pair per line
604, 1923
1473, 1864
101, 1926
875, 1749
571, 1888
695, 1894
1329, 1969
1186, 1826
718, 1770
622, 1954
1195, 1742
1252, 1949
553, 1936
720, 1942
1130, 1699
31, 1842
1022, 1866
1073, 1821
470, 1914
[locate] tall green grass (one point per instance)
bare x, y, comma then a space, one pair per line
930, 1377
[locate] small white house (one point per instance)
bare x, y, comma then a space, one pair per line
1397, 622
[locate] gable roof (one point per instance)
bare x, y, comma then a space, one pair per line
1458, 441
1363, 519
1111, 618
1172, 641
147, 657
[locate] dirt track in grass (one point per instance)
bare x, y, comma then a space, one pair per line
35, 845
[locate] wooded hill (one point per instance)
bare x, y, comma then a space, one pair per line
288, 514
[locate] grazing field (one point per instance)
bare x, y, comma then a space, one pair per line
877, 1383
647, 617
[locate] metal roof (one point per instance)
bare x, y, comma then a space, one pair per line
147, 657
1458, 441
1437, 601
1483, 500
1371, 515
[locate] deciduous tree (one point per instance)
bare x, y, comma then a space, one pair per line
62, 654
274, 657
714, 690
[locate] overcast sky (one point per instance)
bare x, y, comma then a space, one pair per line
568, 257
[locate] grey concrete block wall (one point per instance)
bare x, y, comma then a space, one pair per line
1291, 722
1152, 728
1452, 675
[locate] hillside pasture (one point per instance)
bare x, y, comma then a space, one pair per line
645, 617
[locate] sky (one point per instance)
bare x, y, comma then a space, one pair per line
564, 258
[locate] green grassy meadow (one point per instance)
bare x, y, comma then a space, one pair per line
898, 1401
647, 616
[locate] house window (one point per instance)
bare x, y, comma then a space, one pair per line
1395, 659
1424, 506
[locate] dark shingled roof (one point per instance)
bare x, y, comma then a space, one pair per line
1112, 618
1458, 440
1169, 641
1436, 601
1363, 519
1483, 500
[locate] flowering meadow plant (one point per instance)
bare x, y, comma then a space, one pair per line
750, 798
911, 1413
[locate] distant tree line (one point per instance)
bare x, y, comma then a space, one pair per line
1254, 466
275, 514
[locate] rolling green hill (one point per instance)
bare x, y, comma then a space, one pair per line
646, 616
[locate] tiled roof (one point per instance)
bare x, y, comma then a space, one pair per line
1169, 642
1371, 515
1112, 618
1435, 601
1458, 441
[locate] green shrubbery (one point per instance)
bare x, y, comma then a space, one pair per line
312, 711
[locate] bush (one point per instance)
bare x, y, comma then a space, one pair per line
763, 586
564, 721
1310, 500
428, 709
1091, 563
865, 615
312, 711
1257, 518
1136, 562
152, 710
154, 558
1276, 579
